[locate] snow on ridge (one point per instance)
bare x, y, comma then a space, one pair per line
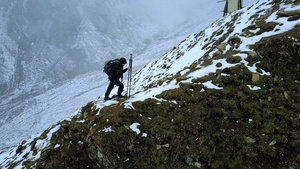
152, 79
195, 46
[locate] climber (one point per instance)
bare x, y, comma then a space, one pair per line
115, 74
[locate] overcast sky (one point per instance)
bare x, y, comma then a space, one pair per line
175, 11
164, 12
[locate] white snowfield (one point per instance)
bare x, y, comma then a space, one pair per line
170, 64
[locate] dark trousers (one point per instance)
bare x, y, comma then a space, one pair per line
111, 85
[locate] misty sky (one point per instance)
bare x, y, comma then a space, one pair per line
172, 12
165, 13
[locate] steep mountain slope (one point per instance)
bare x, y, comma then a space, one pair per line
227, 97
50, 49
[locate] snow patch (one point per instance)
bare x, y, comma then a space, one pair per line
254, 87
134, 128
210, 85
107, 130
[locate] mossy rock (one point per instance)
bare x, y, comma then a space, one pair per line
235, 69
252, 58
234, 59
219, 64
202, 79
233, 40
266, 27
294, 13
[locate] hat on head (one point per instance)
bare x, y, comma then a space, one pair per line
123, 61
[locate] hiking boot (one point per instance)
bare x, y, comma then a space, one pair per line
107, 98
121, 97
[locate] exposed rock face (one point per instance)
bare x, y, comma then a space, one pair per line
251, 122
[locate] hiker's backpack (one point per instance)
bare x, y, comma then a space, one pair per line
109, 65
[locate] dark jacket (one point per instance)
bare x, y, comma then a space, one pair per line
117, 71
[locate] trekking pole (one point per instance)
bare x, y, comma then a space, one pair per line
130, 64
128, 80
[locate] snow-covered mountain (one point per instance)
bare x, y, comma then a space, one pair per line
227, 97
52, 52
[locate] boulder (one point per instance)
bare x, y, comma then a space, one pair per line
222, 46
